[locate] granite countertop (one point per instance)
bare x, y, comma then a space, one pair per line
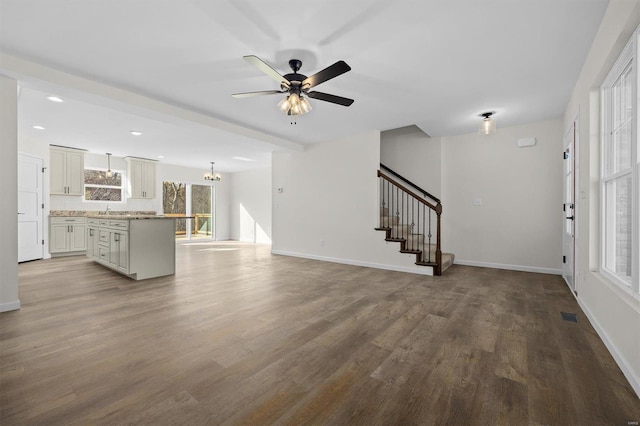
100, 213
116, 215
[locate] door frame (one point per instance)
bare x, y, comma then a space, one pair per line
577, 195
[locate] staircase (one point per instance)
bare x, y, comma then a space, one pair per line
412, 220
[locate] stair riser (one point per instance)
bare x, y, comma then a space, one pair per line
388, 220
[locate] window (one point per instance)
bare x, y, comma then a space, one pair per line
100, 187
619, 168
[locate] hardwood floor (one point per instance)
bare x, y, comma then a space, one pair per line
240, 336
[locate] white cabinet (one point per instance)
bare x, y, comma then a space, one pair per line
67, 235
118, 231
142, 178
66, 171
92, 237
119, 250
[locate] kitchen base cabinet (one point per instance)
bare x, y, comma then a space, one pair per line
139, 248
67, 235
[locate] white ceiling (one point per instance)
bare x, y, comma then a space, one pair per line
433, 63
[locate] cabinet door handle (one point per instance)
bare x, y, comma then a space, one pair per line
116, 237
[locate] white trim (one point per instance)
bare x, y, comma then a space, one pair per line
11, 306
420, 270
509, 267
634, 380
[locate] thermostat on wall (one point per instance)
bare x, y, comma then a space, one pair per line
526, 142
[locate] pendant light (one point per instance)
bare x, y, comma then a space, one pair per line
488, 124
109, 173
212, 176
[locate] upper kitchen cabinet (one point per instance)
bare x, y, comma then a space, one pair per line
66, 170
142, 178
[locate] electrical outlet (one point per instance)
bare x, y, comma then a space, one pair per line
321, 243
477, 201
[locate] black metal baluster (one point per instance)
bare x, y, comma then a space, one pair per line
429, 235
419, 225
397, 212
423, 230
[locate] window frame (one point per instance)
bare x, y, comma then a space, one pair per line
122, 187
627, 58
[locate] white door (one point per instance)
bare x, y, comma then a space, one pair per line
568, 207
30, 208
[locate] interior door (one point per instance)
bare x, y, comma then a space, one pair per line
569, 208
30, 208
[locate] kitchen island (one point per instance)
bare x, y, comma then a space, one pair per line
138, 246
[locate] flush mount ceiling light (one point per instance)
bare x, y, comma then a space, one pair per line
488, 124
109, 173
136, 133
54, 99
295, 85
38, 127
212, 176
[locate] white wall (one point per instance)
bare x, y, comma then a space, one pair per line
411, 153
250, 206
614, 313
518, 226
9, 178
328, 206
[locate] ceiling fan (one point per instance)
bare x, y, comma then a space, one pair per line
295, 85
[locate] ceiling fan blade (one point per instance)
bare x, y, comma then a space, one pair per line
328, 73
330, 98
250, 94
265, 68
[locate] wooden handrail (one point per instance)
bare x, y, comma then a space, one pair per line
407, 181
407, 190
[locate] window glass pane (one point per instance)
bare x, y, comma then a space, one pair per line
618, 226
99, 177
102, 194
617, 141
174, 203
201, 210
622, 148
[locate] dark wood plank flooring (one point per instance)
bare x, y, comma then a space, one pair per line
240, 336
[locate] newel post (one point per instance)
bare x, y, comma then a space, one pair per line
438, 269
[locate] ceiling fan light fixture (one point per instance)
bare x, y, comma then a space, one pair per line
284, 104
305, 106
488, 124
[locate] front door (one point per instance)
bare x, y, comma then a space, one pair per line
569, 208
30, 208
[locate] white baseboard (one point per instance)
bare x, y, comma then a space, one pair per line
508, 267
634, 380
11, 306
421, 270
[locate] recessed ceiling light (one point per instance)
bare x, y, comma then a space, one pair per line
244, 159
54, 99
160, 156
136, 133
38, 127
